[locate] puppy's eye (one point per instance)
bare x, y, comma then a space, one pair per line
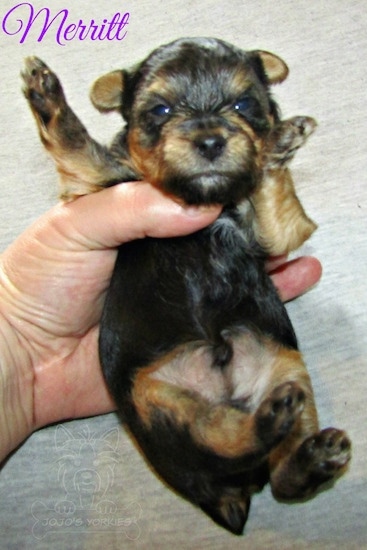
250, 110
243, 105
161, 110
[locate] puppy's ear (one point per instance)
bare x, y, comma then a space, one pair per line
106, 92
229, 512
275, 69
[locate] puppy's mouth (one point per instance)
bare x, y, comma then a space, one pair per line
211, 187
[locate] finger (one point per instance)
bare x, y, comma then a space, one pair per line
275, 261
296, 276
130, 211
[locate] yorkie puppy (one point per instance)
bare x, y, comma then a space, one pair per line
195, 344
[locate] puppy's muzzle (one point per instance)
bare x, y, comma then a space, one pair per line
210, 146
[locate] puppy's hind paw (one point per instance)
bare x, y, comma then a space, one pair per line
325, 454
277, 414
42, 89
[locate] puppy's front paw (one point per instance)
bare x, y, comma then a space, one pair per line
42, 89
277, 414
296, 130
325, 454
287, 137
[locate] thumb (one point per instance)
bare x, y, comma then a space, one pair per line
130, 211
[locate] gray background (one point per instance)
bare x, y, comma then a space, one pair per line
325, 45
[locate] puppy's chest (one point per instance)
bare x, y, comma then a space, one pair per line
216, 279
217, 265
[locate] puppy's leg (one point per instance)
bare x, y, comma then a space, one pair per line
321, 457
307, 457
84, 165
281, 224
224, 426
214, 451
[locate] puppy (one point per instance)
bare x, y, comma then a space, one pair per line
196, 347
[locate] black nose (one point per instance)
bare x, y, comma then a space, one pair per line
210, 147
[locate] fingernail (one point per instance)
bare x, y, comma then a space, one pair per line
196, 211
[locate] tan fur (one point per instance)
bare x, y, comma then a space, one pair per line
172, 385
222, 429
281, 224
106, 92
275, 68
77, 175
160, 88
146, 161
290, 367
175, 150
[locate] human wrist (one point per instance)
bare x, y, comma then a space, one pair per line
16, 393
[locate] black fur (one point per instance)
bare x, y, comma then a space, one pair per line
168, 292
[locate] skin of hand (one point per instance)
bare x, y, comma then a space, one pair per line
53, 281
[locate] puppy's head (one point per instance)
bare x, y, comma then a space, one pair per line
198, 112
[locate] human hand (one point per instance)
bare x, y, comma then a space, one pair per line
294, 277
53, 280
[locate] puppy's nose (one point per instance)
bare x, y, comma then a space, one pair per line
210, 147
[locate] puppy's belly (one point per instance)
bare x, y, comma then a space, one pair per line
189, 308
244, 379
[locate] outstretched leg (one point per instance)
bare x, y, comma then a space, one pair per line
84, 165
281, 224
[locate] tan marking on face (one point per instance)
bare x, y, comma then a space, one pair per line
147, 161
182, 156
176, 153
239, 83
159, 87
